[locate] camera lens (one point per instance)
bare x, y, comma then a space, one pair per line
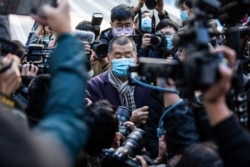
155, 41
123, 114
134, 142
151, 4
102, 50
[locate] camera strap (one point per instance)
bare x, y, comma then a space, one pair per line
160, 129
153, 23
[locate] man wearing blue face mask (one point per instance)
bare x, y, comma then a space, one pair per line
113, 86
165, 30
121, 23
146, 22
186, 9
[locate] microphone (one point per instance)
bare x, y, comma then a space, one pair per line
85, 35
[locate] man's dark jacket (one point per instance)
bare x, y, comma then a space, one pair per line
99, 87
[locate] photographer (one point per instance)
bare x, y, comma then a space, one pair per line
160, 44
10, 81
40, 34
98, 64
186, 8
59, 137
233, 144
158, 5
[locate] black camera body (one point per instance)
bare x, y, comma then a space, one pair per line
101, 49
151, 4
125, 154
158, 40
199, 69
39, 56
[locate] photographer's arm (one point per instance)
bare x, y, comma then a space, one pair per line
232, 139
162, 14
138, 7
215, 97
64, 111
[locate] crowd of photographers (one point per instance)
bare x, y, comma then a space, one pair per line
144, 92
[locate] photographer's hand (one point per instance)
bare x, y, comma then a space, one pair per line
29, 70
162, 158
87, 48
142, 161
146, 40
130, 125
160, 7
140, 115
57, 18
214, 98
169, 98
138, 6
10, 80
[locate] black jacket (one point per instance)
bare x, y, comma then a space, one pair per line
181, 129
233, 142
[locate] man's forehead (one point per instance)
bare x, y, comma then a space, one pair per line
147, 14
123, 21
124, 47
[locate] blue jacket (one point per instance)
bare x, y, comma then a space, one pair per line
60, 136
64, 110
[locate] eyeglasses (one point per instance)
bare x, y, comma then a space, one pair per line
120, 26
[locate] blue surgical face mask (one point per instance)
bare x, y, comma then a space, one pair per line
124, 31
184, 15
120, 66
169, 41
146, 24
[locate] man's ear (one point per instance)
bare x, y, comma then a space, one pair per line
109, 57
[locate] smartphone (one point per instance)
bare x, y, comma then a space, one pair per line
24, 7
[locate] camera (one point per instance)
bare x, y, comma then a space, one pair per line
124, 155
96, 23
123, 113
151, 4
39, 56
199, 69
101, 49
158, 40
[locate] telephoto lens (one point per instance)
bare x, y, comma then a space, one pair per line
123, 114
